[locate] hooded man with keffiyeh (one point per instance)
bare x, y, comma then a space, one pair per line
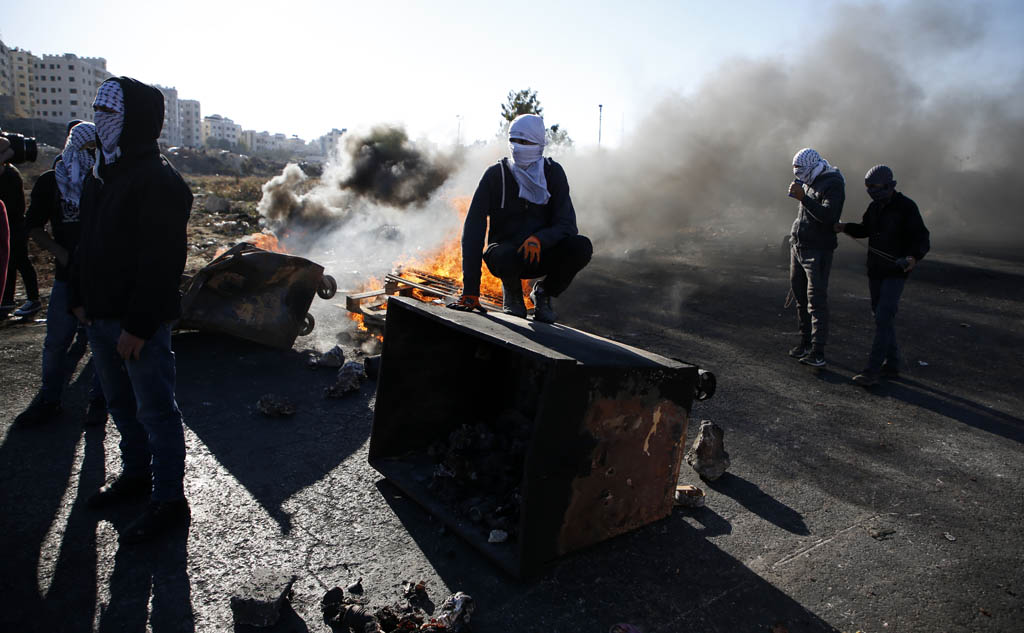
55, 202
125, 284
821, 190
532, 227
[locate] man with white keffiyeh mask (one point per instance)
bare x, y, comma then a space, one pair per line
532, 227
821, 190
55, 203
125, 288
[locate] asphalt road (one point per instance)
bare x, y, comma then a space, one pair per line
885, 510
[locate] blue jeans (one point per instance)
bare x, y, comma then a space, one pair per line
140, 398
808, 277
885, 299
61, 327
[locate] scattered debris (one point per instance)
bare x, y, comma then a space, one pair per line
922, 363
372, 365
356, 587
275, 406
965, 325
622, 627
689, 496
707, 456
497, 536
949, 537
259, 601
350, 378
456, 611
335, 357
882, 533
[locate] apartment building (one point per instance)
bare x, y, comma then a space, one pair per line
217, 127
329, 142
170, 133
64, 86
190, 121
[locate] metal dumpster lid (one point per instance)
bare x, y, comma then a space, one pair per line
556, 342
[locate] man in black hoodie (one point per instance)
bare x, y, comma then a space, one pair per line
821, 190
125, 288
897, 240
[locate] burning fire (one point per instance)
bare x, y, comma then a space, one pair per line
266, 241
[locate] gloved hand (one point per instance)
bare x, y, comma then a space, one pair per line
530, 250
467, 303
907, 263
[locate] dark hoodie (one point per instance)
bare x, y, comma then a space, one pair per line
133, 245
819, 211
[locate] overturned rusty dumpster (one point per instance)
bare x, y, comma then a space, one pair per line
256, 295
529, 440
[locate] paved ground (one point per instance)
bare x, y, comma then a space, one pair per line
896, 509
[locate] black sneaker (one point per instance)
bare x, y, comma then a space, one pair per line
122, 490
815, 359
866, 378
39, 411
96, 413
542, 310
6, 310
801, 350
512, 298
28, 308
159, 517
890, 371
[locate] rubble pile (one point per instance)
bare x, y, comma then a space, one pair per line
349, 613
478, 470
350, 378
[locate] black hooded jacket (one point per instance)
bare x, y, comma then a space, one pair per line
133, 246
896, 229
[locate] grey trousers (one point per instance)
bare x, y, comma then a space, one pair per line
808, 277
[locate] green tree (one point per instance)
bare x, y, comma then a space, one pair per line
526, 102
522, 102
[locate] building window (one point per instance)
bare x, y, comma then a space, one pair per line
71, 66
44, 101
71, 78
73, 102
74, 90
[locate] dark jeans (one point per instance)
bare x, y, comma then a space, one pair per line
61, 327
140, 398
559, 263
808, 277
885, 299
19, 263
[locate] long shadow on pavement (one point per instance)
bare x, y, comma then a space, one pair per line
220, 379
664, 577
751, 497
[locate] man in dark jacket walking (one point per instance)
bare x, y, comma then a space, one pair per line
532, 227
897, 241
125, 287
821, 190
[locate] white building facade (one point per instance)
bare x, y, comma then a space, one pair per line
170, 133
190, 121
217, 127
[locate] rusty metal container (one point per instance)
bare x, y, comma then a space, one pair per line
606, 424
256, 295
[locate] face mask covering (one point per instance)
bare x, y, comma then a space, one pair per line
881, 194
109, 124
75, 162
525, 155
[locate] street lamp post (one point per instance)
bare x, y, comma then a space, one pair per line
600, 108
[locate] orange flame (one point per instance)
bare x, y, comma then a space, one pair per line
266, 241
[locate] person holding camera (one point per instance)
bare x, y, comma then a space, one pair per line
897, 241
124, 287
55, 202
12, 193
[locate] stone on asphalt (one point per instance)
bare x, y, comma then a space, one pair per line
258, 602
707, 456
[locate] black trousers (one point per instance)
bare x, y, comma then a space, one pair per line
19, 263
558, 264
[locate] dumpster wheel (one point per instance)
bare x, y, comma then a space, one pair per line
328, 286
308, 323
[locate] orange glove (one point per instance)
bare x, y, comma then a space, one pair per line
532, 250
467, 303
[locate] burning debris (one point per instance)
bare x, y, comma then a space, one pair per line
348, 614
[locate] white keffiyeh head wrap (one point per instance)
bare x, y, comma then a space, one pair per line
76, 161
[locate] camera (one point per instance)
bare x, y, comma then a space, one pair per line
24, 147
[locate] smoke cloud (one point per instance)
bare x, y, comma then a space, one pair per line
868, 91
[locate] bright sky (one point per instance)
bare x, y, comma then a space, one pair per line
439, 67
